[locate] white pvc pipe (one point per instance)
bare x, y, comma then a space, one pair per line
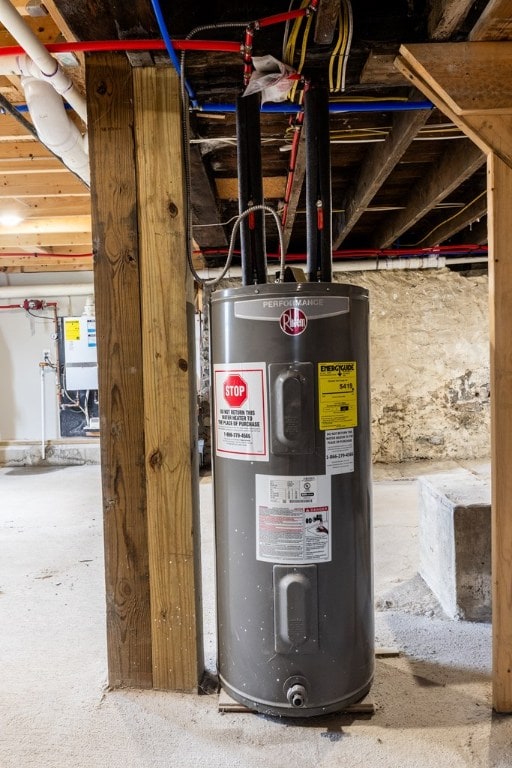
49, 68
45, 291
54, 127
364, 265
43, 423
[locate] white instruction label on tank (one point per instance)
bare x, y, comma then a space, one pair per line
240, 394
339, 451
293, 519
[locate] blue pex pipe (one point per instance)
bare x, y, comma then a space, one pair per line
170, 49
335, 107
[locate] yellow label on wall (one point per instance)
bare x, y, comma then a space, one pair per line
337, 395
72, 330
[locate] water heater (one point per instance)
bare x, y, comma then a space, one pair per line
292, 495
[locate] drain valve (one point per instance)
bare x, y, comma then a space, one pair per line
297, 696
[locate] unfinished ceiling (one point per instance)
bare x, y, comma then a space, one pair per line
402, 178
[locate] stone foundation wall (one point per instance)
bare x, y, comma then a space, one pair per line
429, 353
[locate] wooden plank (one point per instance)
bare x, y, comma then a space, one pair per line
446, 16
378, 163
500, 323
57, 205
379, 70
455, 223
117, 292
227, 704
38, 262
33, 240
168, 376
39, 185
299, 174
203, 205
495, 23
326, 21
273, 188
29, 164
455, 166
489, 129
470, 78
23, 151
43, 27
78, 223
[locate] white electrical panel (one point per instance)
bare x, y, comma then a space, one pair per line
80, 356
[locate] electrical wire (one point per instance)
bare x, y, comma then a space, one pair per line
231, 249
337, 47
451, 218
350, 26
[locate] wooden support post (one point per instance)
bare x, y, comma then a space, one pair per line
500, 323
463, 81
144, 307
168, 363
117, 298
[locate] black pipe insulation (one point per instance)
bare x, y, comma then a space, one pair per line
318, 185
250, 189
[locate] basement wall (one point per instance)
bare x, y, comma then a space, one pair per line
23, 338
429, 362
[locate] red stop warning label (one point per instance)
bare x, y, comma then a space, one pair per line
235, 390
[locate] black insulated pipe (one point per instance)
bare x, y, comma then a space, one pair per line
318, 185
250, 189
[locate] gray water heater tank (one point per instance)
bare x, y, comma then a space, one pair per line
292, 496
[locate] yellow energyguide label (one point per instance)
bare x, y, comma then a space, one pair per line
337, 395
72, 330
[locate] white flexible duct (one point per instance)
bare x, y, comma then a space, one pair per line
48, 68
54, 127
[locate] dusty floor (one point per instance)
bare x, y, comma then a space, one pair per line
432, 702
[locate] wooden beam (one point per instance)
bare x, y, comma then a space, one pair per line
454, 167
455, 77
380, 160
39, 225
495, 23
56, 205
446, 229
470, 78
43, 27
500, 323
325, 21
39, 185
378, 163
33, 240
273, 188
168, 364
37, 262
299, 174
203, 205
22, 165
117, 292
446, 16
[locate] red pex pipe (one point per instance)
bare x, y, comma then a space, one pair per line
11, 306
91, 46
280, 17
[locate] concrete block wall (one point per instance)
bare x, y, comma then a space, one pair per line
454, 534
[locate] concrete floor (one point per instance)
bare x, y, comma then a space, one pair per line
432, 701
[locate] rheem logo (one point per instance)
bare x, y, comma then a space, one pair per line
293, 321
